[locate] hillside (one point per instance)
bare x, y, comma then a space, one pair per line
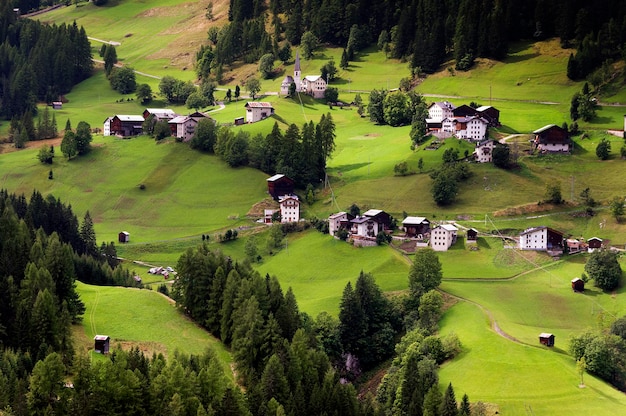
189, 194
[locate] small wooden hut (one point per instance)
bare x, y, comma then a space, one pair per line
123, 237
101, 343
546, 339
578, 285
472, 234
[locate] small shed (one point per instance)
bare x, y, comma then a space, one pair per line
239, 121
578, 285
57, 105
546, 339
101, 343
123, 237
594, 243
472, 234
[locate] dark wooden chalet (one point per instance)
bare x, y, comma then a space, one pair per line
380, 216
594, 243
552, 138
125, 125
123, 237
472, 234
279, 185
491, 114
101, 344
416, 226
546, 339
464, 111
578, 285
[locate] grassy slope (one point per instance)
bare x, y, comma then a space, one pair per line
521, 379
146, 319
361, 169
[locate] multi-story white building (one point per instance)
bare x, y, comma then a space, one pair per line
440, 110
289, 208
335, 220
442, 237
541, 239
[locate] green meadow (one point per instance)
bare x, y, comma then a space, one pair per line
145, 319
189, 194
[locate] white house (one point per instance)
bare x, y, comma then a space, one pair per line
183, 127
448, 124
334, 222
484, 151
314, 85
552, 138
471, 128
438, 111
106, 129
289, 208
541, 239
442, 237
256, 111
365, 226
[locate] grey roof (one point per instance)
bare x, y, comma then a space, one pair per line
275, 177
125, 117
544, 128
414, 220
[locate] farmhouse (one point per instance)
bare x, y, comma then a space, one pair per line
280, 184
363, 226
125, 125
184, 127
289, 208
471, 128
338, 221
381, 217
256, 111
541, 239
593, 244
546, 339
159, 113
578, 285
575, 246
484, 151
106, 128
101, 344
443, 236
123, 237
552, 138
416, 227
438, 111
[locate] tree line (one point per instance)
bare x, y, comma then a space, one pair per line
38, 61
300, 153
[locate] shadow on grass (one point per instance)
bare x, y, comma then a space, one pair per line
513, 59
353, 166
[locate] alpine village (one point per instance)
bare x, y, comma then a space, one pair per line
312, 207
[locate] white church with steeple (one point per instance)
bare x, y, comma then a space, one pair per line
313, 85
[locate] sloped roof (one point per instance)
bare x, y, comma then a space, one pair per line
161, 112
313, 78
484, 107
287, 80
443, 104
337, 215
258, 104
542, 227
277, 177
372, 212
414, 220
448, 227
180, 119
124, 117
544, 128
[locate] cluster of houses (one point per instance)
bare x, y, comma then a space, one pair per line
313, 85
281, 187
182, 127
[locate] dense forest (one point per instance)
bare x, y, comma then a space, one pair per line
425, 33
38, 62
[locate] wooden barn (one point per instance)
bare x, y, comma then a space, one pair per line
57, 105
578, 285
546, 339
416, 226
594, 243
126, 125
464, 111
279, 185
472, 234
101, 343
380, 216
123, 237
491, 114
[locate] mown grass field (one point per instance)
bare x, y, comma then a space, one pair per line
189, 194
520, 379
144, 319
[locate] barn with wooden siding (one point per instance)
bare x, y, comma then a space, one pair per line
552, 138
546, 339
126, 125
578, 285
101, 344
123, 237
279, 185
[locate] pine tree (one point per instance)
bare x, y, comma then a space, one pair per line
88, 236
448, 406
465, 408
432, 402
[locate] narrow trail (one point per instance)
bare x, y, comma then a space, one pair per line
92, 314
